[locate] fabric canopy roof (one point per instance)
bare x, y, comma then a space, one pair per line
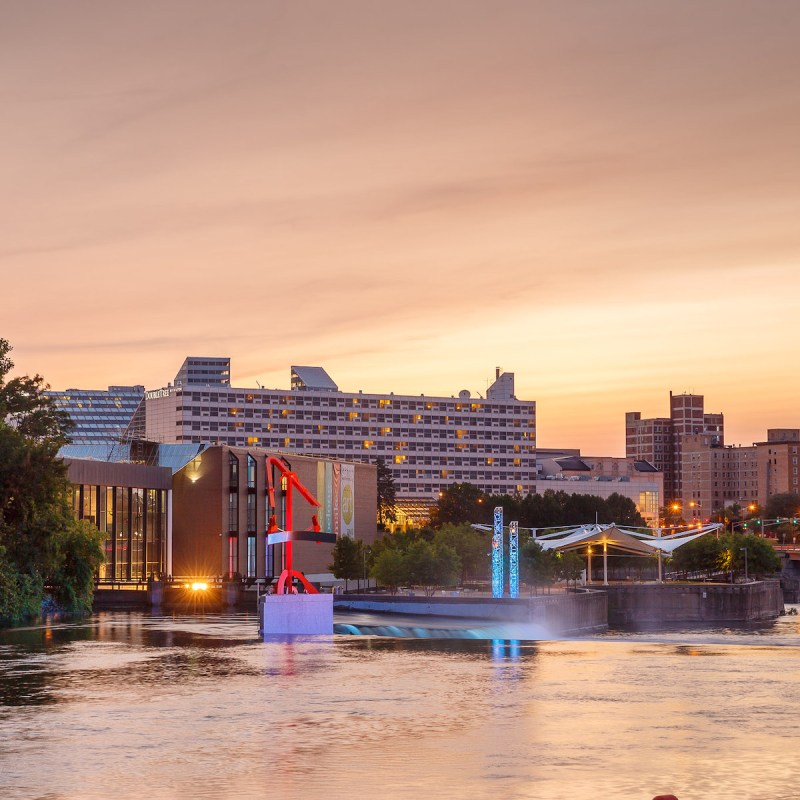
621, 539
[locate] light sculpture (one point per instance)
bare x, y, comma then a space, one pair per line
497, 553
513, 559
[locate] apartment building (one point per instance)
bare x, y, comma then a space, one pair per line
659, 440
428, 442
716, 476
778, 467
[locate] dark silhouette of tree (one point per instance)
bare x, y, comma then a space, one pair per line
460, 502
387, 494
785, 504
348, 560
40, 541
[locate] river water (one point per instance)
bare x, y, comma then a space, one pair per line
128, 705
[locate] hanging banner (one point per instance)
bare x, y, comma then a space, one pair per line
348, 500
326, 521
337, 498
320, 495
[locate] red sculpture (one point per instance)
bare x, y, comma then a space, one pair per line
289, 482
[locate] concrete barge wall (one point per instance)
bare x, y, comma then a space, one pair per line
562, 614
653, 604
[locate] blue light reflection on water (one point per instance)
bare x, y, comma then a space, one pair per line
127, 705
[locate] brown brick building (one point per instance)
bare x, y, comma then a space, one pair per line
778, 465
659, 440
221, 509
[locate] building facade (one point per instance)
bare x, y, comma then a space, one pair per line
778, 467
603, 476
131, 505
715, 476
98, 415
222, 511
659, 440
427, 442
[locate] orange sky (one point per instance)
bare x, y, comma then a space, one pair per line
601, 197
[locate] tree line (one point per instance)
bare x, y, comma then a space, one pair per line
47, 558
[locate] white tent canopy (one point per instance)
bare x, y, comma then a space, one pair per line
628, 540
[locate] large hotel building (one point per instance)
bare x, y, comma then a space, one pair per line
427, 442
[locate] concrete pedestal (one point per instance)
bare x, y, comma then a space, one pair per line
297, 614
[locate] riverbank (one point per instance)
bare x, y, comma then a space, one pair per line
647, 605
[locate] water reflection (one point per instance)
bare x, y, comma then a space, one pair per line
167, 707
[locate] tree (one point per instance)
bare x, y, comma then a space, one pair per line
762, 559
569, 566
785, 504
40, 540
470, 546
701, 555
348, 559
458, 503
80, 553
431, 565
537, 566
387, 494
390, 569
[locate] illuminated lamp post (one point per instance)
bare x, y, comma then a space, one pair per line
588, 564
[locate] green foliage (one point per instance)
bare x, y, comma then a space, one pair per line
390, 569
465, 503
762, 560
786, 504
80, 553
701, 555
470, 546
348, 559
20, 594
538, 567
460, 503
431, 565
40, 541
569, 566
387, 494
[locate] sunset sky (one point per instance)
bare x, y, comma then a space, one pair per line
602, 197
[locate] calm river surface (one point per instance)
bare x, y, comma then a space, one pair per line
134, 705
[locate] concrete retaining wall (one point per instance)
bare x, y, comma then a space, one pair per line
652, 604
566, 614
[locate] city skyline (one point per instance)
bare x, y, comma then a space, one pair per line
600, 200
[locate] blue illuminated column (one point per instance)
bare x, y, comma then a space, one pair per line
497, 553
513, 559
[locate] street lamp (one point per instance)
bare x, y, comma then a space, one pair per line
744, 550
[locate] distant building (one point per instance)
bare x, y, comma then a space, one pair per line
202, 511
778, 464
715, 476
98, 415
427, 442
602, 476
659, 440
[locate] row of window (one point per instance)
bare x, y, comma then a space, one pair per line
135, 523
342, 401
